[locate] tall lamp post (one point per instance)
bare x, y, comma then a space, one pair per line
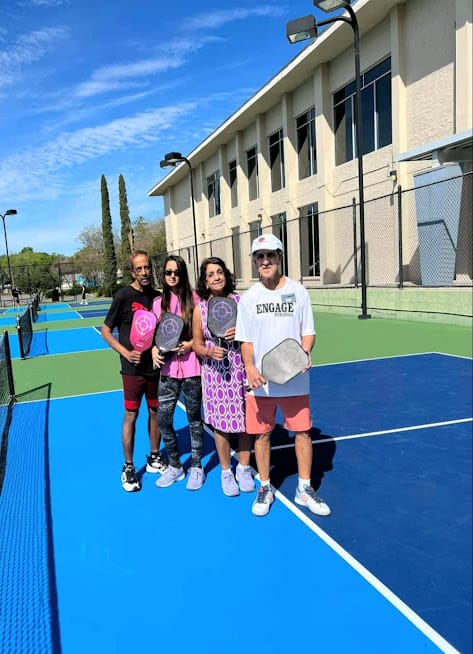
306, 28
170, 160
9, 212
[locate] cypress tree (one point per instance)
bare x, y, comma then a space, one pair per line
109, 255
126, 233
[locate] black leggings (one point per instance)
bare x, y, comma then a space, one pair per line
168, 393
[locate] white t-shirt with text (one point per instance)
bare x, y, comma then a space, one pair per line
266, 318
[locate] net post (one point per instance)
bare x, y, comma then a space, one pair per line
20, 340
11, 381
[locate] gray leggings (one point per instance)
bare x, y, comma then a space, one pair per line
168, 393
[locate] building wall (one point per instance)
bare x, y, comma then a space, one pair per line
430, 45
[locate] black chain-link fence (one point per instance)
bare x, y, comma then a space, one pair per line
415, 237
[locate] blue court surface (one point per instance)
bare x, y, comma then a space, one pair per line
64, 341
98, 570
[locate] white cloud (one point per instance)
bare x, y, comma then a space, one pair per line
216, 19
32, 173
28, 49
132, 74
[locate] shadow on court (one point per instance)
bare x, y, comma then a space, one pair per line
283, 456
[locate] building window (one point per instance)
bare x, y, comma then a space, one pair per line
279, 229
213, 193
376, 127
232, 180
306, 150
309, 240
252, 173
255, 231
236, 249
276, 160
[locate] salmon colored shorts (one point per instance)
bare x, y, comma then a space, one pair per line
261, 413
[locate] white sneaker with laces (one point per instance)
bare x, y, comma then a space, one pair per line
171, 475
245, 478
263, 501
308, 498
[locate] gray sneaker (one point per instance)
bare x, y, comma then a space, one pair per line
196, 478
229, 485
171, 475
245, 479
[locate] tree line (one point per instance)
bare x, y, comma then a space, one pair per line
102, 259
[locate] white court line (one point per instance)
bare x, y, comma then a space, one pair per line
392, 356
391, 597
456, 356
382, 432
376, 583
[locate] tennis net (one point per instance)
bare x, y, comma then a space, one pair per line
7, 398
35, 308
24, 325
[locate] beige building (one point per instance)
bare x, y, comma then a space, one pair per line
286, 160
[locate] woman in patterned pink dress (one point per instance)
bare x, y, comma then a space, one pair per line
223, 379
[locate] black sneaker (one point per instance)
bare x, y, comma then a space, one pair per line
156, 463
130, 481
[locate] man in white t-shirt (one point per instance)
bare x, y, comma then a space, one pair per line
273, 309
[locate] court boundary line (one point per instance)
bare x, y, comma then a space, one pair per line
382, 432
429, 632
391, 356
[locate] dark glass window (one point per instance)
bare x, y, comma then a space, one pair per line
232, 180
276, 160
252, 173
376, 111
213, 193
309, 240
306, 147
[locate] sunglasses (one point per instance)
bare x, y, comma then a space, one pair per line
171, 273
266, 255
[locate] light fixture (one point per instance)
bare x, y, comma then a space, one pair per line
170, 160
329, 5
301, 29
295, 31
8, 212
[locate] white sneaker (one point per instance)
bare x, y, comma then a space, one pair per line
312, 501
263, 501
229, 485
245, 478
171, 475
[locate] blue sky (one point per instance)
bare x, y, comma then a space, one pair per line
92, 87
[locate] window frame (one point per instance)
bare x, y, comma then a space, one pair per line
343, 113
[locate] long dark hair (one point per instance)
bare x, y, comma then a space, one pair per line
202, 289
183, 291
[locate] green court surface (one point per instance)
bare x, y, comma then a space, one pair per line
339, 338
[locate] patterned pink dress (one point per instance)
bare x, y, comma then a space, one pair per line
223, 383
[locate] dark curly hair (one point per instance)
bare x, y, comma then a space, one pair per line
202, 290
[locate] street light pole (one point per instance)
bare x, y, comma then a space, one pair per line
304, 28
9, 212
172, 159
